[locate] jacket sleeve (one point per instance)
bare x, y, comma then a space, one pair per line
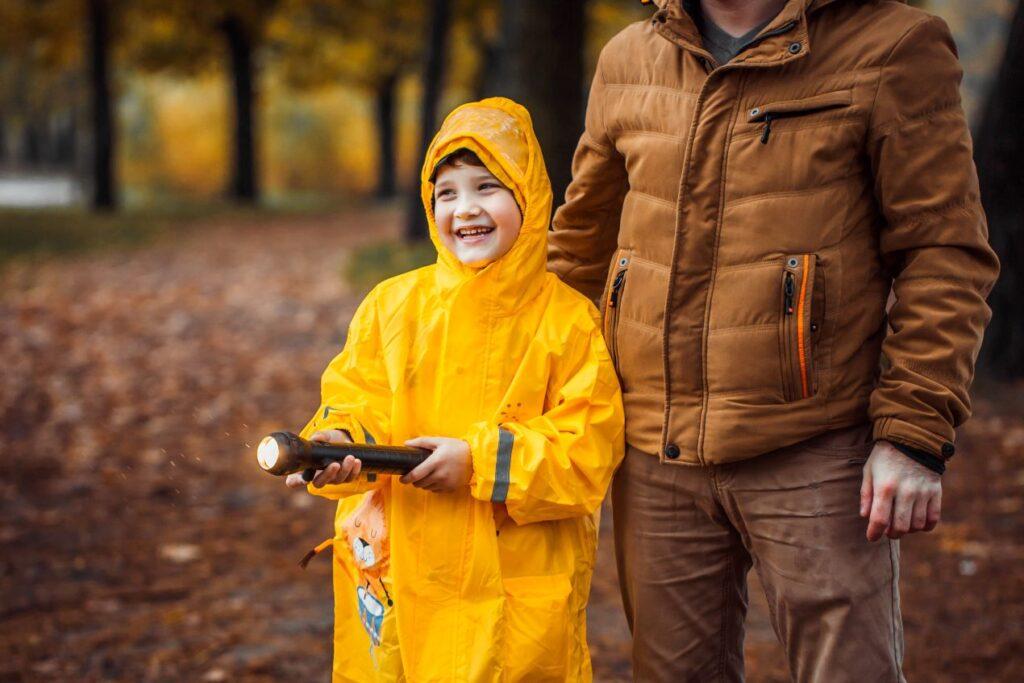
355, 395
560, 463
934, 240
585, 229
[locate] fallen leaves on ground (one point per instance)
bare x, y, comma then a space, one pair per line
139, 541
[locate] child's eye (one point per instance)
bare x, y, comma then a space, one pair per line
444, 194
488, 185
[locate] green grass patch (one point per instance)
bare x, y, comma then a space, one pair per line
28, 233
371, 264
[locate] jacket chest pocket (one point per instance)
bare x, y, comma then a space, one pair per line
767, 114
802, 304
612, 304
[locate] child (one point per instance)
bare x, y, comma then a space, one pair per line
476, 565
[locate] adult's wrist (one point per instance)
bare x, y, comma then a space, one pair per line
929, 460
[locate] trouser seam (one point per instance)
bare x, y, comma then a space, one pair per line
723, 631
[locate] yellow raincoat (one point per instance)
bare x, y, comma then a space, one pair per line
489, 583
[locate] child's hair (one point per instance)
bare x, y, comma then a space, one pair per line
460, 157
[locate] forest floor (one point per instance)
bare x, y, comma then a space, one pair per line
139, 541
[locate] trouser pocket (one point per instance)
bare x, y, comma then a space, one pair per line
799, 326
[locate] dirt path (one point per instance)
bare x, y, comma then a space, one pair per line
138, 542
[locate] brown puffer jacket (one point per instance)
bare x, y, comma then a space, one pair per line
746, 222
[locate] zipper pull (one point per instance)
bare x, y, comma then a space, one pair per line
613, 298
767, 128
789, 293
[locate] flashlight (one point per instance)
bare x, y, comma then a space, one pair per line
283, 453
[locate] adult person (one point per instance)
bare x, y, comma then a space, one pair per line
754, 178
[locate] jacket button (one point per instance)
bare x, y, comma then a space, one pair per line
948, 450
672, 451
795, 47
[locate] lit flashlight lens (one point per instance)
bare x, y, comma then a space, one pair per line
268, 452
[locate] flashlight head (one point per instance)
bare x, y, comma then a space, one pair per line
277, 453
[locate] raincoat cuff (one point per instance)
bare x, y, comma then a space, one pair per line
359, 434
491, 448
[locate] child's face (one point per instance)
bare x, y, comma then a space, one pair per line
477, 217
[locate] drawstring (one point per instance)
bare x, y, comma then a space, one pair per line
315, 551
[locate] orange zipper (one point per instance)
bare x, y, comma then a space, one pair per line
801, 346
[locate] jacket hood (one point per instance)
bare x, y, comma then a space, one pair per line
500, 132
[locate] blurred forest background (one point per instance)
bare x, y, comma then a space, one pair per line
193, 197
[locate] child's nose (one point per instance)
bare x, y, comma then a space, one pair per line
467, 211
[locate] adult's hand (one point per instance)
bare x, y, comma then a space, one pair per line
898, 495
335, 473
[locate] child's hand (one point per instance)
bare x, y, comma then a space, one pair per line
335, 473
446, 469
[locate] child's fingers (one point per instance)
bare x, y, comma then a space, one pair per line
421, 471
295, 481
350, 468
326, 475
332, 436
430, 442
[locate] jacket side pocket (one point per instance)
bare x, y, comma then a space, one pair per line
613, 302
799, 326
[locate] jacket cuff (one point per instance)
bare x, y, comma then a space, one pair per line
897, 431
491, 450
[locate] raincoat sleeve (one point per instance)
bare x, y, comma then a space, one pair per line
934, 241
585, 229
560, 463
356, 395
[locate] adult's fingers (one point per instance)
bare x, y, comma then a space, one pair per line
865, 492
902, 509
881, 510
919, 517
934, 513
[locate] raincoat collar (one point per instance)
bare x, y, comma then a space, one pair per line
500, 132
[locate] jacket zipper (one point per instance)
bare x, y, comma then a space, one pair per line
613, 313
794, 309
683, 180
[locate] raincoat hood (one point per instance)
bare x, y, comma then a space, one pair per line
500, 132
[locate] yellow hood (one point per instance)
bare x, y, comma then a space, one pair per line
500, 132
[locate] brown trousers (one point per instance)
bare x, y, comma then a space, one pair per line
686, 536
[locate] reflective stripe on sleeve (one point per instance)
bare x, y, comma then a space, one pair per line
502, 466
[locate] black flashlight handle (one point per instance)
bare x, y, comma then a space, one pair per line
375, 458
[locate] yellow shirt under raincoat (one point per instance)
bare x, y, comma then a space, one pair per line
489, 583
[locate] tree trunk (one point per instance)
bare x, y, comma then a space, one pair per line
433, 76
104, 194
244, 171
999, 154
542, 68
386, 136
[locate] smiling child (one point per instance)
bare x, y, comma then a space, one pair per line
477, 564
